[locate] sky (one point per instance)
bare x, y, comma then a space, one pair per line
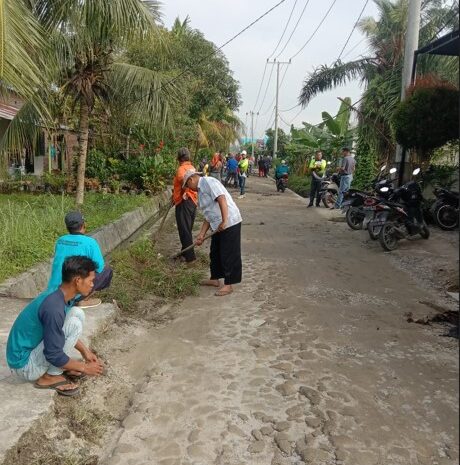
219, 20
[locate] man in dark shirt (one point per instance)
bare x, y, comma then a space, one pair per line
49, 328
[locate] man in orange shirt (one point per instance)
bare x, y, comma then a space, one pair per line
186, 202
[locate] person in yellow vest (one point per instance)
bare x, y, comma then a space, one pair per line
243, 166
317, 168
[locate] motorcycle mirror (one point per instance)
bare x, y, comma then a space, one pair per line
383, 168
384, 189
416, 171
393, 170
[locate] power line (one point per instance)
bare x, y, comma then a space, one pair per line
353, 30
189, 68
261, 83
316, 30
354, 47
285, 29
266, 89
295, 28
273, 101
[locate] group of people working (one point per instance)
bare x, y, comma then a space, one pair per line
193, 190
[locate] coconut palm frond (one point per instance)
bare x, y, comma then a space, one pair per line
325, 78
147, 93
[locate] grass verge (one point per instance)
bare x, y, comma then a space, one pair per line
141, 271
30, 224
300, 185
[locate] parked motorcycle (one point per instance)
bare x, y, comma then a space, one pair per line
330, 190
402, 216
282, 183
445, 209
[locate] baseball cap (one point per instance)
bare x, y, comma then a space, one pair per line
74, 220
188, 174
244, 152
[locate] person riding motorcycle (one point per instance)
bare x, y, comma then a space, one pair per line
281, 170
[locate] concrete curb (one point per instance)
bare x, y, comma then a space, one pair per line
29, 284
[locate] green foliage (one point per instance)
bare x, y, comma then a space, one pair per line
440, 176
300, 184
366, 165
96, 165
30, 224
283, 140
427, 119
140, 271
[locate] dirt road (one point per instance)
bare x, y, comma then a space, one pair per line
310, 361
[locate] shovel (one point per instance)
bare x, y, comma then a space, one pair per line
190, 247
158, 232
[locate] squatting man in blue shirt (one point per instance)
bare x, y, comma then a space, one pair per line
76, 242
49, 328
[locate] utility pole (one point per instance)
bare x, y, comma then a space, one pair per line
411, 45
277, 63
252, 130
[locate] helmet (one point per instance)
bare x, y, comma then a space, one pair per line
283, 162
244, 152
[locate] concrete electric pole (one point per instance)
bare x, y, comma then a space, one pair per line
277, 63
251, 113
411, 45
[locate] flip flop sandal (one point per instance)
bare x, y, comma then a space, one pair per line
67, 392
222, 293
78, 377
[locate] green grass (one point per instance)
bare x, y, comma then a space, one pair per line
30, 224
140, 271
300, 184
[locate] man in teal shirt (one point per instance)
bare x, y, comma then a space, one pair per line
49, 328
78, 243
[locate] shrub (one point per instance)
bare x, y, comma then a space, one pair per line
427, 119
300, 185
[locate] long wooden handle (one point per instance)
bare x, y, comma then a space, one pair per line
190, 247
157, 233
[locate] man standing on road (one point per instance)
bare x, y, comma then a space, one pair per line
223, 217
346, 169
232, 168
76, 242
45, 333
243, 166
317, 169
185, 202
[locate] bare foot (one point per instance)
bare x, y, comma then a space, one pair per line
210, 282
225, 290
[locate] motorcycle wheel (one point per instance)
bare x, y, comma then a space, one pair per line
329, 199
387, 237
446, 217
424, 231
373, 231
354, 218
282, 188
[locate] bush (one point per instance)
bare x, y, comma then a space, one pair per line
300, 184
427, 119
96, 165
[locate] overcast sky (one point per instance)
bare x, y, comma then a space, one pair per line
219, 20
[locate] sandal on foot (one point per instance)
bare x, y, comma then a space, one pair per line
75, 377
222, 293
210, 282
55, 386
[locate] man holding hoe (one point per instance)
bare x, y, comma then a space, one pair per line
224, 219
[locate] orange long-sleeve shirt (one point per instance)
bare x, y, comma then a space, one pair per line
178, 192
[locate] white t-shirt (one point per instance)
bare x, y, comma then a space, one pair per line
208, 191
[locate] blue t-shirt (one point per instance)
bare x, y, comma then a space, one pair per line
42, 320
232, 165
68, 246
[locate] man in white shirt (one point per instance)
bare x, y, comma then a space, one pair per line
222, 215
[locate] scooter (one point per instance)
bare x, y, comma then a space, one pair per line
330, 190
282, 183
403, 217
445, 209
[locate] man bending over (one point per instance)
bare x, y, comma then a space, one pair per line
45, 332
78, 243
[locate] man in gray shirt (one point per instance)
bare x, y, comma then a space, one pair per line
346, 170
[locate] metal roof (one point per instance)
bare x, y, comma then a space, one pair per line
7, 111
448, 45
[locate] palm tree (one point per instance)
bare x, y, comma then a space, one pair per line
380, 70
86, 37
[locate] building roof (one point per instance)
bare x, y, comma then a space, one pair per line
7, 111
448, 45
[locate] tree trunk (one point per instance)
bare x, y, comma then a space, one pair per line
82, 151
